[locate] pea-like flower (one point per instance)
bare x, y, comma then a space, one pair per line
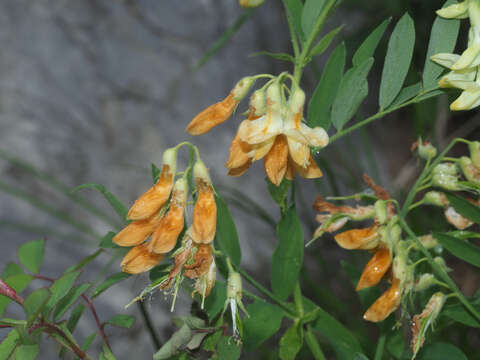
205, 209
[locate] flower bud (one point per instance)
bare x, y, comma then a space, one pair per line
435, 198
471, 172
441, 262
455, 11
426, 150
242, 87
205, 209
457, 220
400, 268
274, 99
166, 234
296, 101
474, 147
250, 3
428, 241
375, 269
257, 103
234, 286
139, 259
155, 197
445, 176
424, 282
381, 211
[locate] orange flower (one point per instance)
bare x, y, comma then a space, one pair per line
385, 304
139, 259
171, 225
218, 113
137, 232
375, 269
205, 209
154, 198
359, 239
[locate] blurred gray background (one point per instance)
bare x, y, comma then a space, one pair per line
95, 90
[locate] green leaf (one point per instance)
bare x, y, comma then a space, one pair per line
279, 193
441, 351
264, 321
75, 317
110, 281
366, 296
458, 313
367, 49
85, 261
31, 255
13, 322
397, 60
406, 94
352, 91
107, 241
8, 344
18, 283
179, 339
278, 56
26, 352
324, 42
215, 301
359, 356
116, 204
88, 342
227, 349
226, 236
107, 354
121, 320
64, 304
464, 207
322, 98
443, 38
11, 269
34, 304
61, 339
460, 248
155, 173
343, 340
288, 256
294, 9
311, 11
227, 35
60, 288
291, 342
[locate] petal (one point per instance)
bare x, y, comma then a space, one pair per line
290, 173
375, 269
201, 262
299, 152
469, 99
455, 11
387, 303
445, 59
459, 79
312, 171
456, 219
262, 149
139, 259
260, 130
276, 160
364, 239
165, 236
204, 214
316, 136
240, 170
154, 198
238, 155
136, 232
212, 116
468, 57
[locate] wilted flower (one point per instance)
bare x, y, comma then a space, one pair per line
218, 113
205, 209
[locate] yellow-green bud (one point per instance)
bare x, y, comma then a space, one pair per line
297, 100
428, 241
234, 286
440, 261
257, 102
424, 282
242, 87
474, 147
170, 158
436, 198
426, 150
274, 98
381, 211
200, 171
250, 3
471, 172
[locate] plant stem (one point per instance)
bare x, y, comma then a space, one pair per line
265, 292
380, 346
298, 298
313, 345
293, 35
149, 325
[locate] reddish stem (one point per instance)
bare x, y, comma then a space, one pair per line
90, 306
6, 290
51, 328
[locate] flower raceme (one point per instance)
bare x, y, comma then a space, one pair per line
274, 131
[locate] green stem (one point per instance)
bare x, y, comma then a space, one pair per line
265, 292
439, 270
291, 27
313, 345
298, 299
380, 346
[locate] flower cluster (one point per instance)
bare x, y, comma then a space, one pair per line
158, 219
383, 238
464, 68
273, 130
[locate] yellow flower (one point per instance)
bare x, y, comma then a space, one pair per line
281, 138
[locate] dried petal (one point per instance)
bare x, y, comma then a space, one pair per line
204, 214
375, 269
276, 160
239, 153
201, 262
387, 303
212, 116
139, 259
363, 239
457, 220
